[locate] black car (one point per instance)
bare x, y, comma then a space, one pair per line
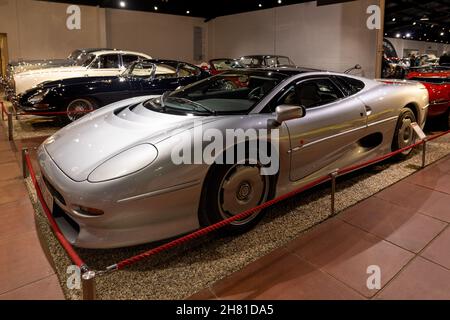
78, 96
266, 61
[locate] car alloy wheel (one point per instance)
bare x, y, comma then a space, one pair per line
405, 135
78, 108
242, 188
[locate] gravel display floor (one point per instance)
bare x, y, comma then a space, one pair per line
181, 272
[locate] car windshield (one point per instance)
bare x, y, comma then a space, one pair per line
160, 70
226, 64
251, 62
284, 61
228, 93
74, 55
84, 59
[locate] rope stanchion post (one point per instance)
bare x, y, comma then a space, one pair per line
333, 176
10, 126
88, 285
25, 171
424, 153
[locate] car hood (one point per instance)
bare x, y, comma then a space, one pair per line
45, 71
85, 144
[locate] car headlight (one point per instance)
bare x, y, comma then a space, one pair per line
125, 163
38, 96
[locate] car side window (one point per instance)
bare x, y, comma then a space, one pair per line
128, 59
317, 92
185, 70
107, 61
348, 85
310, 93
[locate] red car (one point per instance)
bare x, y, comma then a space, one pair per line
217, 66
438, 85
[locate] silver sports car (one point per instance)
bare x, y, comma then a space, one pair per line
117, 177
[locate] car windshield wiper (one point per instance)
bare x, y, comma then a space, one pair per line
196, 104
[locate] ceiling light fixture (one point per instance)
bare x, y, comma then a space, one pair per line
398, 35
424, 18
393, 19
408, 35
260, 5
122, 4
156, 8
188, 12
280, 2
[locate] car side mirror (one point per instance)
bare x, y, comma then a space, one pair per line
287, 112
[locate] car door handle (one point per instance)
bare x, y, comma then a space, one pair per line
368, 111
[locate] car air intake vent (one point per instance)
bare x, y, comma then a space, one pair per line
53, 191
117, 111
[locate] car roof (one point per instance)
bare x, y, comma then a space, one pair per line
264, 56
109, 51
291, 70
89, 50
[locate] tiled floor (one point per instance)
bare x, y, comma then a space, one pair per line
25, 270
404, 230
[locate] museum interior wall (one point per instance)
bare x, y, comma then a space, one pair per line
159, 35
403, 46
37, 30
333, 37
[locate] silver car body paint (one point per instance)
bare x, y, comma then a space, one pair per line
162, 200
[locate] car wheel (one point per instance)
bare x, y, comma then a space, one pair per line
233, 189
404, 134
78, 108
448, 119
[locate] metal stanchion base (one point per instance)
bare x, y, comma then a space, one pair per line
88, 284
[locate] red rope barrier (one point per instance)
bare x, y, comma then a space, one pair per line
201, 232
56, 230
124, 263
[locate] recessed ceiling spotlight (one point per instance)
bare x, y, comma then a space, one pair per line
260, 5
408, 35
398, 35
414, 23
156, 8
424, 18
280, 2
442, 33
122, 4
393, 19
188, 12
424, 34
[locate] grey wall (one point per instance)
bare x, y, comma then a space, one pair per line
333, 37
37, 30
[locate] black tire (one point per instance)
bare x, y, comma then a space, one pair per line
448, 119
79, 107
404, 135
253, 190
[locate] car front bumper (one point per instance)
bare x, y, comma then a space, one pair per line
137, 220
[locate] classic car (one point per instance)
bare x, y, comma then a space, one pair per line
216, 66
25, 65
94, 64
437, 81
111, 179
266, 61
79, 96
